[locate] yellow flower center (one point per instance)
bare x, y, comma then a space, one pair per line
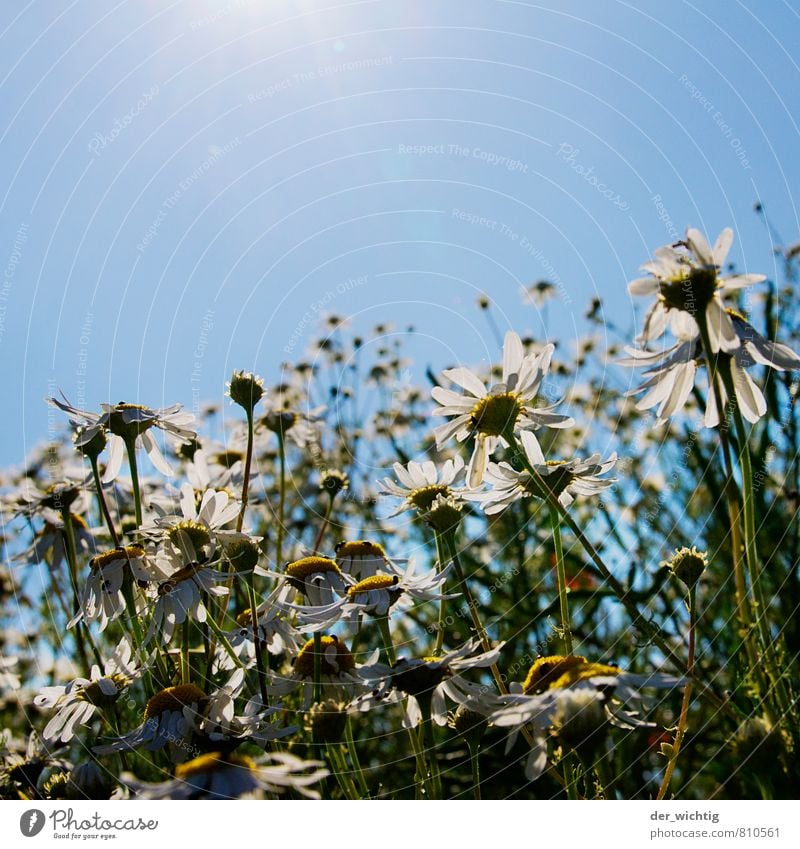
376, 582
306, 566
189, 531
212, 762
181, 575
359, 548
304, 662
583, 673
423, 497
93, 694
128, 552
227, 458
173, 698
495, 414
546, 670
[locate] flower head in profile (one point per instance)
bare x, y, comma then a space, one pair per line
562, 687
430, 681
685, 278
670, 374
563, 478
233, 776
419, 484
78, 701
125, 423
490, 413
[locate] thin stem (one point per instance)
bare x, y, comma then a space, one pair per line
386, 637
248, 461
356, 761
223, 641
566, 628
317, 667
429, 749
474, 752
130, 447
186, 675
282, 498
341, 772
101, 501
443, 601
72, 568
260, 671
325, 522
687, 696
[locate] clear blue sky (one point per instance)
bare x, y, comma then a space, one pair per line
184, 174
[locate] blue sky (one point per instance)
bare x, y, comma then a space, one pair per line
186, 186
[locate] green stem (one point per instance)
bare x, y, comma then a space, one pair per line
429, 752
186, 675
72, 566
223, 641
130, 447
282, 499
355, 760
340, 771
680, 731
248, 461
443, 602
101, 501
474, 751
326, 520
386, 637
260, 671
317, 667
566, 628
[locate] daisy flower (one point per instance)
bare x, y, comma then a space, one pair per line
549, 694
418, 484
275, 633
9, 680
340, 672
685, 279
488, 413
670, 374
232, 776
564, 478
122, 422
375, 596
429, 680
78, 701
181, 595
102, 599
319, 579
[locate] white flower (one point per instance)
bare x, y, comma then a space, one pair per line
341, 675
78, 700
420, 484
685, 278
232, 776
9, 680
319, 579
671, 373
129, 421
489, 413
181, 595
275, 633
102, 599
564, 478
375, 596
429, 680
547, 688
